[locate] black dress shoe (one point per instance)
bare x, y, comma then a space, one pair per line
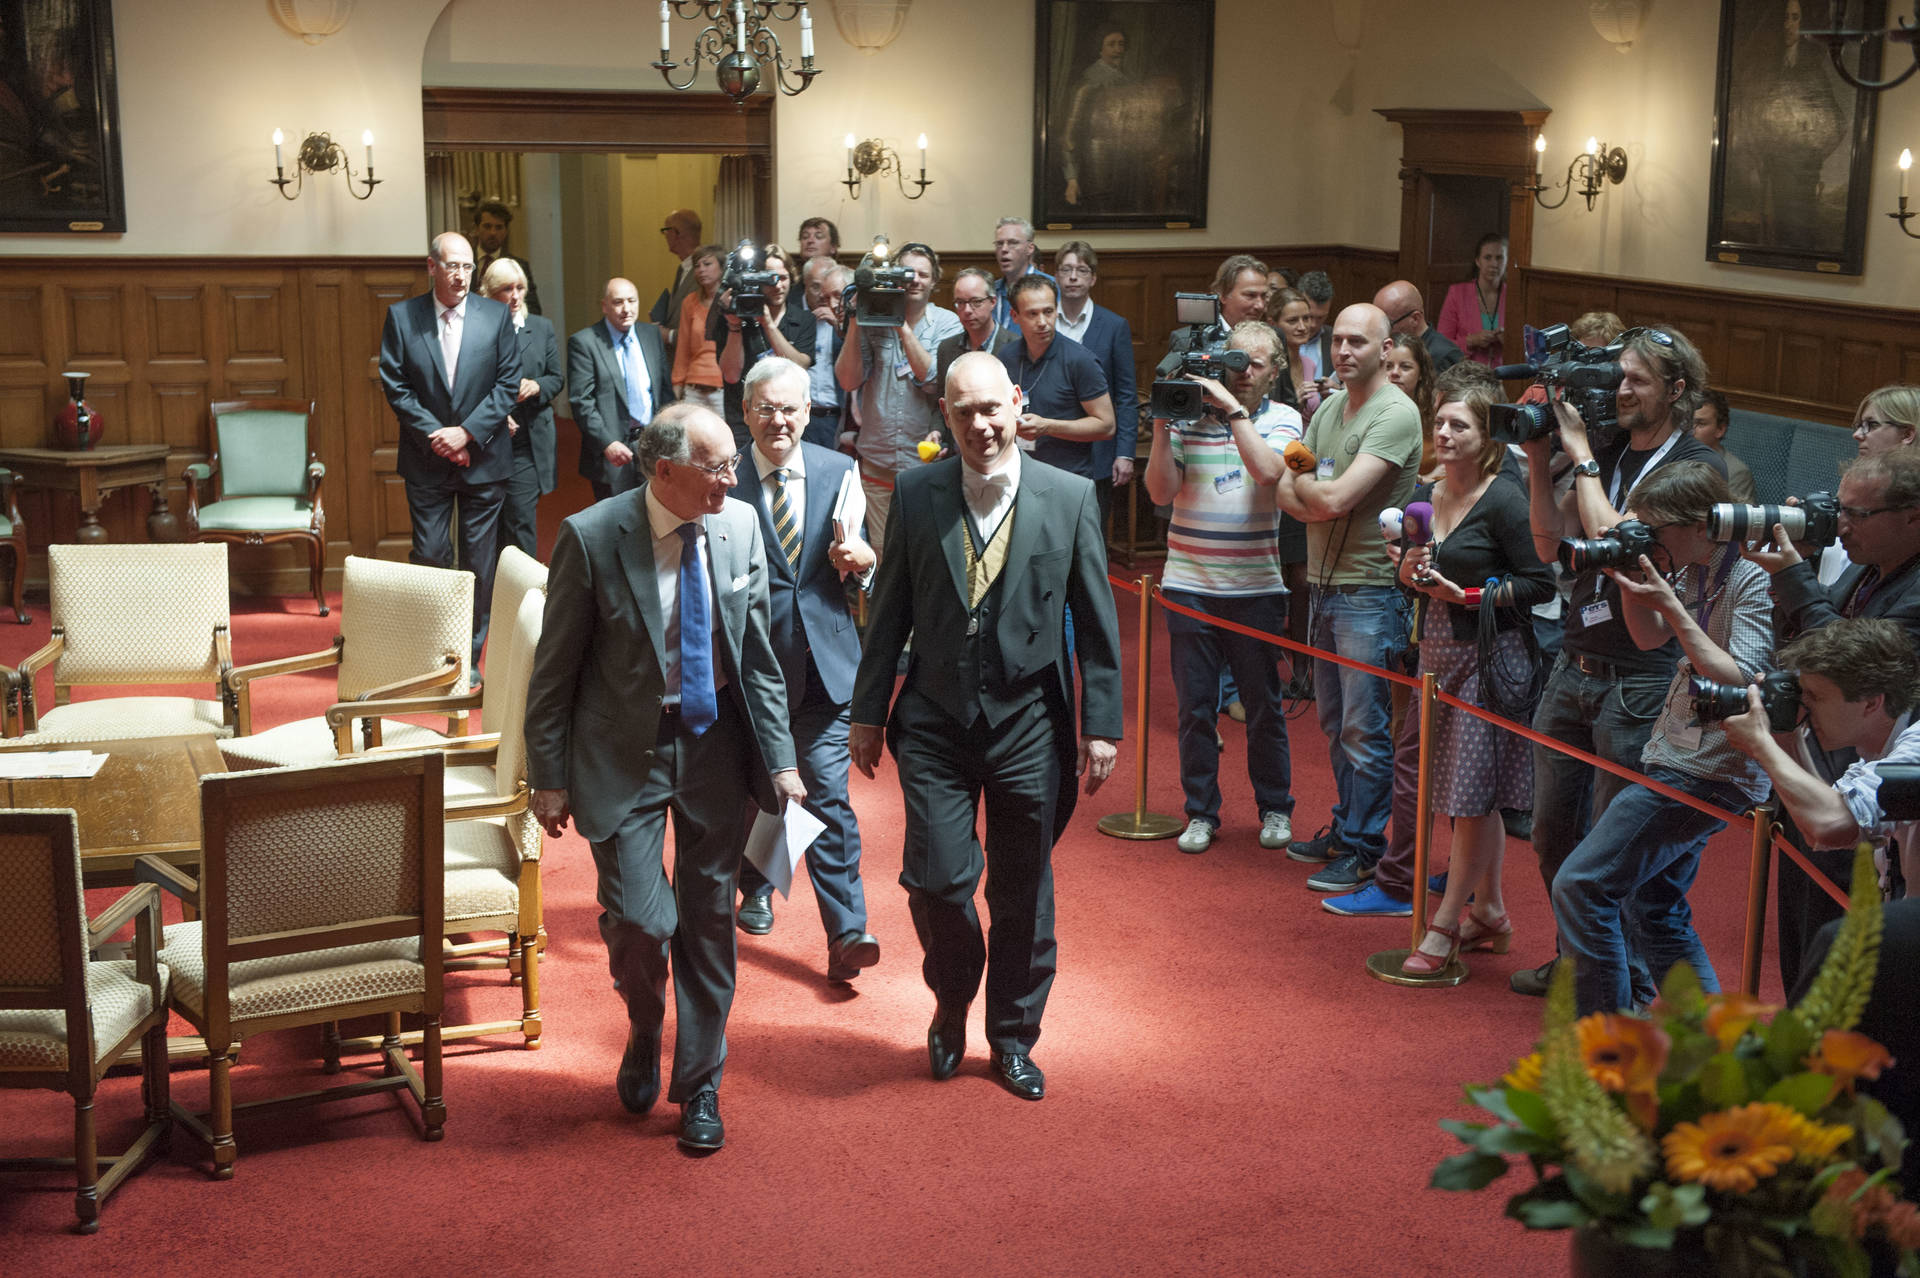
638, 1081
1018, 1074
756, 914
1533, 981
848, 952
947, 1040
700, 1126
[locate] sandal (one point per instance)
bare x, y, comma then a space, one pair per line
1495, 937
1421, 963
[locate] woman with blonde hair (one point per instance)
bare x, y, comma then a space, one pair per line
531, 419
696, 356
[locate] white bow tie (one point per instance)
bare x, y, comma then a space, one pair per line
978, 484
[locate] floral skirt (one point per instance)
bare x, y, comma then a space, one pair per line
1478, 767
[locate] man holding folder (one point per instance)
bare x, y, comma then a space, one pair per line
811, 510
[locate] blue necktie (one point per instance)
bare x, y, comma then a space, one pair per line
697, 704
639, 405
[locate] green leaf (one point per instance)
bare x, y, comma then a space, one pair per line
1682, 993
1669, 1207
1690, 1049
1493, 1099
1531, 1112
1807, 1093
1879, 1131
1788, 1042
1651, 1237
1723, 1081
1471, 1170
1593, 1197
1548, 1213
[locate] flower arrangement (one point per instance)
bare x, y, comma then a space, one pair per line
1719, 1127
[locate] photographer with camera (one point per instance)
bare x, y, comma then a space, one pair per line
1878, 524
752, 320
1241, 284
1604, 690
1218, 470
1630, 875
1859, 684
890, 368
823, 279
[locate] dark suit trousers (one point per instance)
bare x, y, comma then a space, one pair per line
944, 770
823, 428
520, 515
645, 917
431, 506
833, 862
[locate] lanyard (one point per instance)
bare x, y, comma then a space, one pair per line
1613, 491
1707, 600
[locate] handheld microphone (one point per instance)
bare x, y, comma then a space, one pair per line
1418, 522
1299, 458
1392, 523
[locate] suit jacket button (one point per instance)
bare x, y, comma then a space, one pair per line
649, 754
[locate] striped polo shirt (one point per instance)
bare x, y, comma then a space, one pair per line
1221, 540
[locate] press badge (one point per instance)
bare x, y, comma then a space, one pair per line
1324, 471
1683, 738
902, 369
1597, 613
1228, 482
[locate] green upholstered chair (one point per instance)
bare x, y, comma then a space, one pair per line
267, 481
13, 535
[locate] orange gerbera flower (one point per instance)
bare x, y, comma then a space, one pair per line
1732, 1150
1848, 1057
1525, 1074
1731, 1015
1625, 1054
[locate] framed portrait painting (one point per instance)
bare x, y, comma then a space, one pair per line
1122, 100
59, 120
1793, 141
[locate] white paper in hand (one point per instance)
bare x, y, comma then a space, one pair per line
776, 843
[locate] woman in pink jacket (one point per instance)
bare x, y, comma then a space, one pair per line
1475, 313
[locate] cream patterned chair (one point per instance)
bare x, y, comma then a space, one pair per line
268, 479
68, 1019
405, 631
133, 614
320, 899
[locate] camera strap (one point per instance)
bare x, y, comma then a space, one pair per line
1709, 598
1613, 492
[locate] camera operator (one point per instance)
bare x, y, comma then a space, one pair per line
1859, 685
1242, 285
1604, 691
1218, 473
1630, 875
745, 338
892, 372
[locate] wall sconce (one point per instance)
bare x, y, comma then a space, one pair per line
1595, 166
737, 41
1838, 38
321, 154
875, 158
1905, 214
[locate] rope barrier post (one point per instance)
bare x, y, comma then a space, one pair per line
1757, 866
1141, 824
1386, 965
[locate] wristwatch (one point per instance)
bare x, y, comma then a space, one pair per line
1238, 413
1587, 467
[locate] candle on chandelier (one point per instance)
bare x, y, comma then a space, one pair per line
1593, 146
849, 155
278, 138
923, 155
366, 140
1539, 154
1906, 164
666, 30
806, 34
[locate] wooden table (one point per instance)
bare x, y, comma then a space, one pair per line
144, 800
92, 475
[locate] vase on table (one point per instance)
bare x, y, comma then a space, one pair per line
78, 425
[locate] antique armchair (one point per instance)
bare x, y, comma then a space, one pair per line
406, 630
154, 614
320, 899
65, 1019
267, 482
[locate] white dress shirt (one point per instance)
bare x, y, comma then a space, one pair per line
1076, 329
667, 546
990, 497
852, 499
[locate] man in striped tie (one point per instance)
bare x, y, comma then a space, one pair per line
811, 509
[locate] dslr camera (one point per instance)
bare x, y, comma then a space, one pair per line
1587, 377
879, 288
1176, 398
745, 284
1779, 694
1619, 547
1815, 521
1899, 793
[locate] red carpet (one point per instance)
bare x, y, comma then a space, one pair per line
1229, 1092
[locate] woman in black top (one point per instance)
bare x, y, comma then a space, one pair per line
1482, 557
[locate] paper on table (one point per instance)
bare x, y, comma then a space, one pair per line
21, 764
776, 843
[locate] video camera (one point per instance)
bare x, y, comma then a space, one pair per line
748, 301
1815, 521
879, 288
1779, 695
1588, 378
1899, 793
1619, 547
1175, 398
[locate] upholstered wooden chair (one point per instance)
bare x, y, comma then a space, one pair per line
320, 899
406, 630
64, 1020
13, 535
132, 614
266, 480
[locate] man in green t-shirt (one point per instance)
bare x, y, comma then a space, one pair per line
1367, 442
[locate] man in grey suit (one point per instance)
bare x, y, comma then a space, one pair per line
656, 637
799, 490
450, 366
618, 378
989, 550
681, 230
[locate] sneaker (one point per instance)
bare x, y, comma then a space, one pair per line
1197, 838
1342, 875
1533, 981
1318, 850
1437, 883
1370, 901
1276, 830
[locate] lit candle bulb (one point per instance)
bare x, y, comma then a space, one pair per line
366, 140
1539, 152
1906, 164
849, 153
1593, 146
666, 31
806, 34
278, 138
923, 153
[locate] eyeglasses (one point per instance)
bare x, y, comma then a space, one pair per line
726, 467
1858, 513
1074, 272
767, 412
1867, 425
971, 302
1653, 334
1397, 320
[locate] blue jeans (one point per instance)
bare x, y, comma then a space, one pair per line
1369, 624
1201, 654
1630, 877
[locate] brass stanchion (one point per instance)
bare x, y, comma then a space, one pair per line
1385, 965
1140, 823
1758, 864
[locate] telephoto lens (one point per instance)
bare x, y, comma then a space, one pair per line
1729, 522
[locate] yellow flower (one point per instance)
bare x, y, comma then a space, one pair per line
1812, 1142
1848, 1057
1525, 1074
1731, 1150
1730, 1015
1625, 1054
